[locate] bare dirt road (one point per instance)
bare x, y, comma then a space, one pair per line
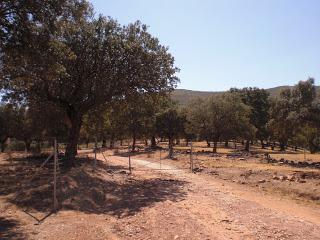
215, 210
108, 203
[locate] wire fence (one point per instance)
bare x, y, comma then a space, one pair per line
151, 159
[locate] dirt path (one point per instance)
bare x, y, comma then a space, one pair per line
223, 211
109, 203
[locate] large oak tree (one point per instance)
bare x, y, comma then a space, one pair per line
78, 62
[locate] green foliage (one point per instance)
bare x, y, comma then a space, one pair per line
170, 124
295, 116
77, 62
221, 118
258, 100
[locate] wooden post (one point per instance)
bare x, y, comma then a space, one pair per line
55, 163
130, 170
191, 159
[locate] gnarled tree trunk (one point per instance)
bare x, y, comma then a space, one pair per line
170, 147
214, 149
112, 142
73, 137
133, 143
104, 143
208, 142
153, 142
282, 146
247, 147
27, 144
3, 144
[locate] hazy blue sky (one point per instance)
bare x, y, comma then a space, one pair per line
231, 43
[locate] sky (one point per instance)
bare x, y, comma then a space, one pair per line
231, 43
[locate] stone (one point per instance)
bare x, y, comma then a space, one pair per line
290, 177
282, 178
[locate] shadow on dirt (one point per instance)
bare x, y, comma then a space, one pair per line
9, 229
107, 190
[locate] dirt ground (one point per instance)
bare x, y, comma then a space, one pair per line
298, 183
171, 203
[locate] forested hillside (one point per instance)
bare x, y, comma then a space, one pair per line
184, 96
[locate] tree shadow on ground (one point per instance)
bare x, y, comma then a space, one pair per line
105, 190
9, 229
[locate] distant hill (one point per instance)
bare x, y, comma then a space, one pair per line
184, 96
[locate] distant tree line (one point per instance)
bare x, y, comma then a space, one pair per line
249, 114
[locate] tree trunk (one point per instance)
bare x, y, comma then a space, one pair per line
27, 144
112, 142
247, 148
121, 142
146, 142
38, 147
133, 143
214, 150
282, 147
208, 142
170, 147
235, 144
262, 143
226, 144
104, 143
178, 141
73, 137
3, 144
153, 142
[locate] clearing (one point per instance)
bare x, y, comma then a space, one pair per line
217, 202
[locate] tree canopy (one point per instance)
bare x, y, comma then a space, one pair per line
78, 62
